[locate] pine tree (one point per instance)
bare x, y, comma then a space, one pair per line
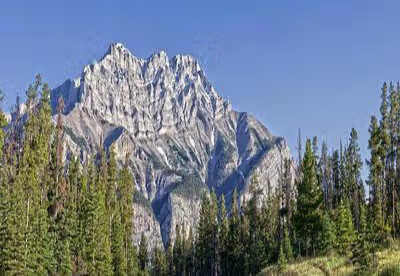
244, 258
393, 122
325, 166
117, 246
234, 247
345, 228
88, 218
112, 185
309, 203
363, 256
74, 207
375, 181
126, 191
327, 239
384, 137
272, 227
143, 253
286, 245
178, 252
353, 186
190, 263
12, 234
336, 179
206, 247
33, 173
299, 150
97, 246
223, 236
255, 245
103, 225
62, 247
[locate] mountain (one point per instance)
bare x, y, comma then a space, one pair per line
180, 136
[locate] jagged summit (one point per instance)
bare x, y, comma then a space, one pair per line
122, 88
181, 137
118, 49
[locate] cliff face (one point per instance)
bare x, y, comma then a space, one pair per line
180, 135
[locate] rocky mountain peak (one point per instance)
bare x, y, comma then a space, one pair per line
180, 136
147, 97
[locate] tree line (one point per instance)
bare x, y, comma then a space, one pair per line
323, 208
61, 217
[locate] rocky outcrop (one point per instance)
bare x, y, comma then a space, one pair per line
181, 137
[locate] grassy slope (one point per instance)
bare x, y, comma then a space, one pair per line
336, 265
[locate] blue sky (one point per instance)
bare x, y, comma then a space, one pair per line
314, 65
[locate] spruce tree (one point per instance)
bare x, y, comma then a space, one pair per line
336, 179
345, 228
234, 247
392, 152
309, 203
12, 234
178, 252
74, 207
244, 258
117, 246
255, 244
287, 245
363, 256
126, 191
190, 253
353, 186
384, 138
375, 181
206, 247
143, 253
103, 197
88, 216
327, 238
223, 237
33, 173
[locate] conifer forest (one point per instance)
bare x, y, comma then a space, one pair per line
60, 216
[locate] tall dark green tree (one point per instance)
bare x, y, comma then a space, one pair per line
223, 237
126, 191
376, 180
143, 253
206, 247
119, 261
353, 185
308, 215
336, 179
345, 229
178, 253
327, 237
384, 135
234, 247
255, 244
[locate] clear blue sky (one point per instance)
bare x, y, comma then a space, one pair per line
315, 65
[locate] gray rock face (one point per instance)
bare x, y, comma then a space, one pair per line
181, 137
